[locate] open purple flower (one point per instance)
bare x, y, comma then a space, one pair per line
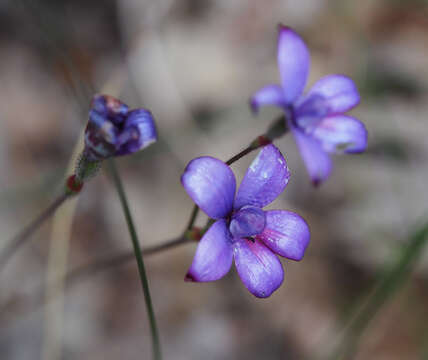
316, 119
242, 230
114, 130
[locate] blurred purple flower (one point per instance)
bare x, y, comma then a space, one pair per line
243, 231
316, 119
114, 130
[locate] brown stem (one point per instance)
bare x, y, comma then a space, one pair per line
240, 155
193, 216
32, 303
118, 260
20, 239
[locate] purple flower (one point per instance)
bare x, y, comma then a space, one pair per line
114, 130
316, 119
242, 230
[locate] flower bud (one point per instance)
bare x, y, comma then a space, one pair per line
113, 130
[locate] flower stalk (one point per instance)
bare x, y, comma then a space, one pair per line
139, 258
21, 238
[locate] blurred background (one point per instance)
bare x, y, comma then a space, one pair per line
195, 64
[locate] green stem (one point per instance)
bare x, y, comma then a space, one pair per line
137, 251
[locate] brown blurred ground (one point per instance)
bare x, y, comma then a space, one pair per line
195, 64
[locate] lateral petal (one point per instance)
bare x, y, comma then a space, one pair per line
341, 134
214, 254
211, 184
286, 233
339, 93
268, 95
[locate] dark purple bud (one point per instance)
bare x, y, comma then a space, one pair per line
113, 130
110, 107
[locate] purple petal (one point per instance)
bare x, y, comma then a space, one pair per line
211, 184
269, 95
138, 133
109, 107
286, 233
317, 161
293, 63
259, 268
338, 92
341, 134
265, 179
310, 112
213, 257
248, 221
100, 137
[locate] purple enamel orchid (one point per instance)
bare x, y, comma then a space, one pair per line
316, 119
242, 230
114, 130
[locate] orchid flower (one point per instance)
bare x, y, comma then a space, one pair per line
242, 231
316, 118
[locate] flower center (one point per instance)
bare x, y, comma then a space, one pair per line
308, 114
247, 221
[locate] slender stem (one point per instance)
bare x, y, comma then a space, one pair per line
24, 305
192, 219
240, 155
137, 251
20, 239
119, 259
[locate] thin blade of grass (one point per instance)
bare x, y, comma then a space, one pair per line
388, 285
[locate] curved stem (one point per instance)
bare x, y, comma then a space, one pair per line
118, 260
29, 304
20, 239
139, 258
